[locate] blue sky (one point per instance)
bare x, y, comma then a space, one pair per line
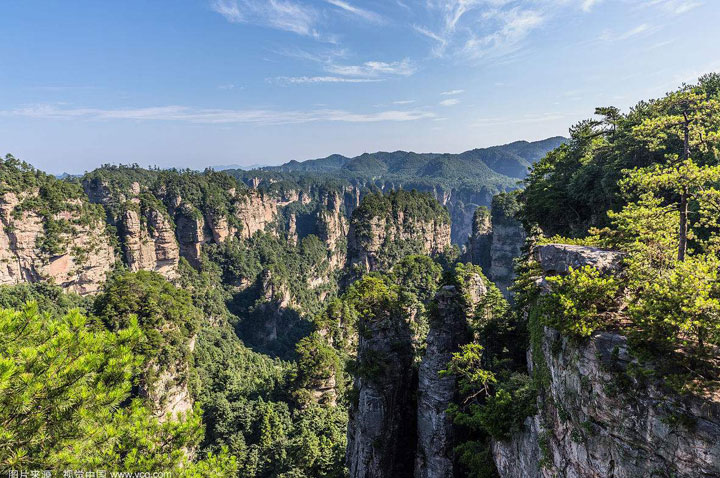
192, 83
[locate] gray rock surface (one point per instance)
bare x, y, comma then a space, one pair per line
558, 258
382, 422
448, 331
600, 419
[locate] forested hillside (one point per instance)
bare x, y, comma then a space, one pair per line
318, 320
460, 182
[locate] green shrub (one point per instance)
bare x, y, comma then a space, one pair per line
579, 302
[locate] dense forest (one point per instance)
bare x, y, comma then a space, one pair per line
318, 319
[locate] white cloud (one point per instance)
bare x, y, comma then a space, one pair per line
677, 7
360, 12
471, 29
610, 36
438, 49
452, 92
450, 102
214, 116
374, 68
403, 102
587, 5
321, 79
515, 25
280, 14
525, 119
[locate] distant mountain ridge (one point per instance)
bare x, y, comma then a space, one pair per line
511, 160
461, 182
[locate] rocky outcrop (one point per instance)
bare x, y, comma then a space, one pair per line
381, 430
169, 395
332, 228
146, 231
480, 240
69, 248
386, 228
149, 243
497, 239
255, 212
448, 331
508, 239
598, 416
190, 232
559, 258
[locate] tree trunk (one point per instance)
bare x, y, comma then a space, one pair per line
682, 243
682, 247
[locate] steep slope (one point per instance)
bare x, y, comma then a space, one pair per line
49, 231
603, 413
387, 227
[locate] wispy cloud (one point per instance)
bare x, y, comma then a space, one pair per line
214, 116
449, 102
280, 14
452, 92
374, 68
359, 12
321, 79
403, 102
514, 27
441, 42
676, 7
330, 61
480, 28
528, 118
611, 36
587, 5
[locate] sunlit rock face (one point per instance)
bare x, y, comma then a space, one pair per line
83, 252
598, 419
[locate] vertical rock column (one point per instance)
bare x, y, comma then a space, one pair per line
480, 241
508, 239
381, 431
448, 330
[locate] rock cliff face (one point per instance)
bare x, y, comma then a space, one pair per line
169, 394
149, 242
191, 232
145, 230
381, 431
448, 331
480, 240
497, 240
255, 212
508, 239
69, 247
385, 228
597, 418
332, 227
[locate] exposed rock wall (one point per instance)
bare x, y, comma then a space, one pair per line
332, 228
381, 431
146, 231
480, 240
385, 228
508, 239
597, 419
149, 242
255, 212
169, 395
497, 239
80, 265
190, 232
448, 331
